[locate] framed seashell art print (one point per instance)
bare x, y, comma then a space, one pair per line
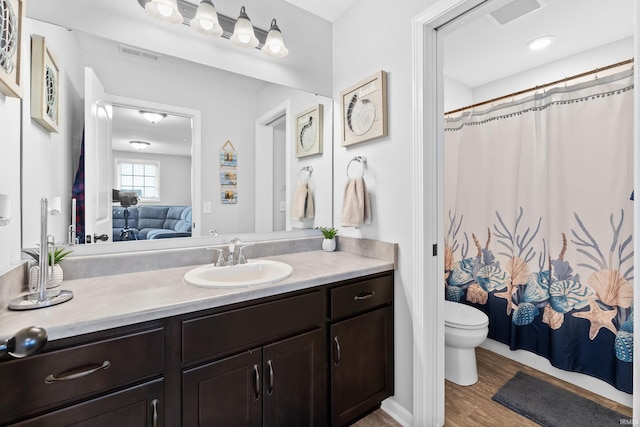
45, 85
11, 15
364, 110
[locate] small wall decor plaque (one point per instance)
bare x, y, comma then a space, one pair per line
228, 155
228, 196
309, 132
364, 110
45, 85
12, 15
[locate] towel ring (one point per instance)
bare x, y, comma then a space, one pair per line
308, 170
362, 160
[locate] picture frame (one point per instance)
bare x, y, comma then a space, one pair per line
309, 124
364, 110
228, 177
13, 12
228, 196
228, 155
45, 85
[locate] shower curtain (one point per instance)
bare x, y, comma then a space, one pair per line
539, 219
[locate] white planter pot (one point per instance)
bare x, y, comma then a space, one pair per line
54, 277
329, 245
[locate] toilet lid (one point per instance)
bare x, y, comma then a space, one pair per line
464, 316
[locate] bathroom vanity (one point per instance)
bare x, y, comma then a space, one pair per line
315, 349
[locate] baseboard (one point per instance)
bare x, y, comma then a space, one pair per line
397, 412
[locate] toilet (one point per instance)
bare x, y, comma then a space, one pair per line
465, 328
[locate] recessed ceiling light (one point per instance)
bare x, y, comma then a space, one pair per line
540, 43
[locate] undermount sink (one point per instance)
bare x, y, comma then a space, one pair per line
255, 272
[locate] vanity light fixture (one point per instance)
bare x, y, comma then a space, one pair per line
274, 45
152, 117
204, 19
540, 43
139, 145
243, 34
164, 10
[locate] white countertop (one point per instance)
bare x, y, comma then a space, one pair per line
106, 302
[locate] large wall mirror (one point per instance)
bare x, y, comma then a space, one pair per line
104, 87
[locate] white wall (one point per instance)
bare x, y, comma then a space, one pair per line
49, 169
374, 35
175, 176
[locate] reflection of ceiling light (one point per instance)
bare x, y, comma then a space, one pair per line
152, 117
139, 145
540, 43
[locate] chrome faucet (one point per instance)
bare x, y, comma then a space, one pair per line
232, 249
231, 259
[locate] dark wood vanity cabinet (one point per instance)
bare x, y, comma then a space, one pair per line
280, 384
277, 379
361, 343
113, 379
316, 357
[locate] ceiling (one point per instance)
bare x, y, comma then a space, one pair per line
480, 50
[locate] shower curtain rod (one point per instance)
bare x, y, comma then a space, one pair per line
522, 92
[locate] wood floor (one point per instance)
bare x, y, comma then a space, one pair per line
472, 405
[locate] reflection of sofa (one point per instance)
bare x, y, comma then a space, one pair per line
153, 222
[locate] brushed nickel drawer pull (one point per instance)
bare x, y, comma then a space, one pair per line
154, 405
270, 365
52, 378
256, 384
364, 295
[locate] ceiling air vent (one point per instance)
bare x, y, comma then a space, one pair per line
139, 53
514, 10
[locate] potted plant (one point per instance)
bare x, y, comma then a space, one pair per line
329, 242
55, 273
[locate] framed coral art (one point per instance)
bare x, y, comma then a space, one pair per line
45, 85
364, 110
12, 15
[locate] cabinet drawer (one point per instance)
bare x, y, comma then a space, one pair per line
361, 296
43, 381
232, 331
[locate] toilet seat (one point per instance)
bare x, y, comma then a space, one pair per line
462, 316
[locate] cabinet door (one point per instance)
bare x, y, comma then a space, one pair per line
361, 365
224, 393
134, 407
294, 378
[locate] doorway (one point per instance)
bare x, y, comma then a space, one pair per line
428, 74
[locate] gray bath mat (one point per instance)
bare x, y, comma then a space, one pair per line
552, 406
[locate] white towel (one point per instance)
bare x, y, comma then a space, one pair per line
303, 207
356, 209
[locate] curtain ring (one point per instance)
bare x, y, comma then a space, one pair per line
362, 160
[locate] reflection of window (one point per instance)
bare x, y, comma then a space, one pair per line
141, 177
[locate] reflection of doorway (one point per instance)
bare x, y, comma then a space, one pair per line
271, 170
279, 175
428, 224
